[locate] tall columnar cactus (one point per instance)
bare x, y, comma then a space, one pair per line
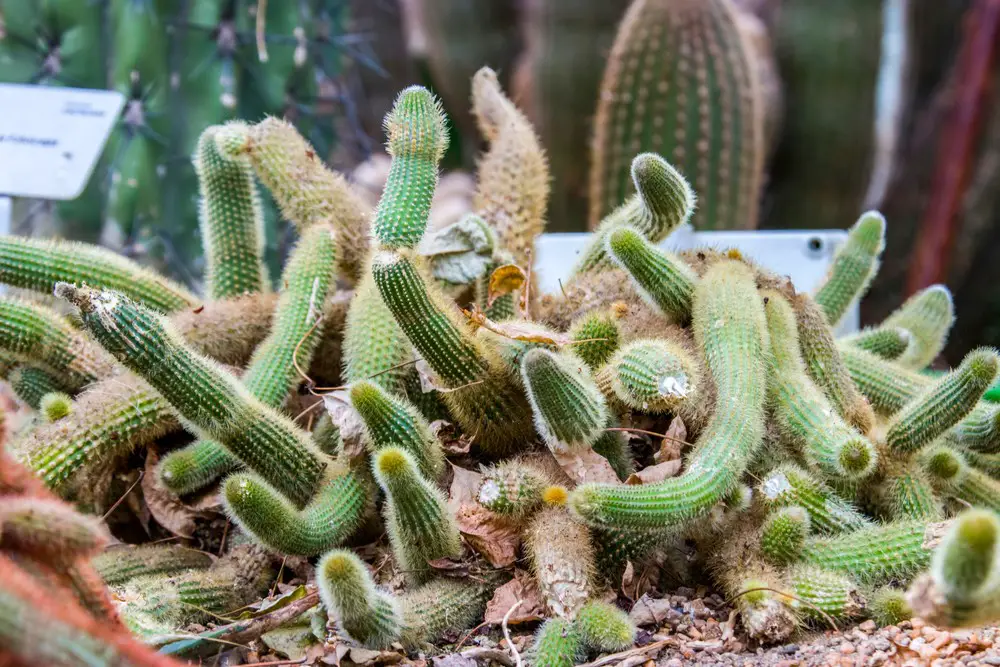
663, 202
277, 363
680, 82
853, 268
927, 316
421, 528
729, 325
943, 404
416, 139
367, 615
663, 279
205, 396
569, 410
38, 265
305, 190
513, 176
562, 556
481, 398
800, 409
232, 223
656, 376
375, 348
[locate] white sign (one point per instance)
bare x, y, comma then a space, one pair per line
50, 138
802, 255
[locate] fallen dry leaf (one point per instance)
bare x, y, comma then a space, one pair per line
504, 280
655, 473
585, 465
452, 441
493, 536
526, 331
347, 419
522, 587
673, 443
168, 510
464, 487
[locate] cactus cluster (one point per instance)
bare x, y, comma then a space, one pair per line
818, 474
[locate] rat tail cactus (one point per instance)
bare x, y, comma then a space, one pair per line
366, 614
562, 556
558, 644
664, 281
927, 316
604, 627
570, 411
888, 343
854, 267
655, 376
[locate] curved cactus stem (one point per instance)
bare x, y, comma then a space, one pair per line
31, 384
853, 268
118, 564
787, 486
663, 279
817, 590
442, 605
49, 530
927, 316
369, 616
604, 627
513, 488
654, 375
887, 343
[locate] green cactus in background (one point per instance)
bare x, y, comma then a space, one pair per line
729, 326
927, 316
366, 614
421, 528
331, 517
276, 364
802, 412
232, 222
119, 564
854, 266
569, 409
943, 404
663, 201
604, 627
31, 384
38, 265
205, 396
888, 343
664, 281
557, 644
679, 82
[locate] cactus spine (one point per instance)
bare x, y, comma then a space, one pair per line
679, 81
853, 268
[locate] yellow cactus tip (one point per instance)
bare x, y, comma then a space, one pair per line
392, 462
555, 495
734, 253
338, 566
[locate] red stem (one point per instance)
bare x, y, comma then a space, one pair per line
956, 149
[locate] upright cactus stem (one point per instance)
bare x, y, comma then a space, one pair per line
663, 202
783, 534
205, 396
570, 412
417, 139
943, 404
369, 616
853, 268
800, 409
232, 222
729, 325
663, 279
421, 528
274, 368
562, 556
927, 316
38, 265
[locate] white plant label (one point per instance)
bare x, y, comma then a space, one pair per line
51, 138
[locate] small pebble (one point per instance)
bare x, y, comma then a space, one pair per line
847, 649
868, 626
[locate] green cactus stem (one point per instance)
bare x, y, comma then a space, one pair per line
416, 139
614, 446
595, 337
110, 420
30, 384
887, 343
953, 477
604, 627
783, 534
878, 554
119, 564
391, 421
513, 175
654, 375
367, 615
375, 348
854, 266
330, 518
818, 590
907, 494
788, 486
801, 411
205, 396
38, 265
482, 400
49, 530
889, 606
825, 366
232, 222
275, 366
729, 325
442, 605
943, 404
513, 488
558, 644
663, 201
570, 411
927, 316
420, 525
305, 190
40, 337
961, 588
562, 557
55, 405
679, 81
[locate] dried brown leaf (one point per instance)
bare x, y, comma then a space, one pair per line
452, 441
497, 539
347, 419
464, 487
585, 465
504, 280
516, 329
522, 587
671, 446
168, 510
655, 473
